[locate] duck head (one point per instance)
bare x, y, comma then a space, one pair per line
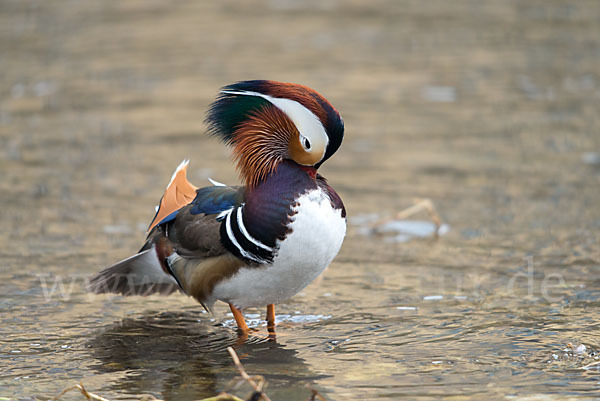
267, 122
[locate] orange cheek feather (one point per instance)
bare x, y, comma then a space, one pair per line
261, 143
301, 156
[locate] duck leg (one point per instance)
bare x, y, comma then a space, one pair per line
271, 320
239, 319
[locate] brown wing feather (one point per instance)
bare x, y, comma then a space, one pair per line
196, 235
201, 260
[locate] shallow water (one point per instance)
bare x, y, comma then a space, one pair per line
489, 109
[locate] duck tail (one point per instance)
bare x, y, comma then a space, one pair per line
140, 274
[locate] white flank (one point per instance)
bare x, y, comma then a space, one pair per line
306, 121
317, 234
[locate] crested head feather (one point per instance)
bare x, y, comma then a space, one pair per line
261, 118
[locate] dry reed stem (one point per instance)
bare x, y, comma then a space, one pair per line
419, 206
591, 365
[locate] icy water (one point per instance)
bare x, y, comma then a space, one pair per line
489, 109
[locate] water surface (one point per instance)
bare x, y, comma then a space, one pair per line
489, 109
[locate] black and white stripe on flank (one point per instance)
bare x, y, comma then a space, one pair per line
240, 242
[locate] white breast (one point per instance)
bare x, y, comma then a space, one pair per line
317, 234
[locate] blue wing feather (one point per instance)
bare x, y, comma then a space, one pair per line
214, 200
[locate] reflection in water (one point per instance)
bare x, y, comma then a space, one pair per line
178, 356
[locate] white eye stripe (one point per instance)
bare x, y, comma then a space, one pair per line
307, 123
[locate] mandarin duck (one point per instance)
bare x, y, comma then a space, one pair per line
256, 244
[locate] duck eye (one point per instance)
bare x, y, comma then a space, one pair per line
306, 143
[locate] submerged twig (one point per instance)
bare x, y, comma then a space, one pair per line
256, 382
81, 388
256, 386
223, 397
315, 395
145, 397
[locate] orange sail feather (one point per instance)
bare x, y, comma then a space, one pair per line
179, 192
